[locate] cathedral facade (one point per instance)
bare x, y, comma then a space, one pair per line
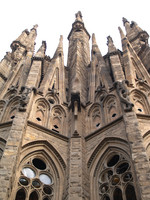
76, 132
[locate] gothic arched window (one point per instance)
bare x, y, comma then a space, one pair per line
116, 179
35, 180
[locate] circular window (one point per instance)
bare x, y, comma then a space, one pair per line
104, 188
23, 181
115, 180
39, 164
106, 175
47, 190
36, 183
127, 177
28, 172
122, 168
113, 161
44, 178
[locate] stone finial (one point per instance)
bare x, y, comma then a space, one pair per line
111, 46
124, 20
60, 41
109, 40
78, 16
93, 39
35, 26
41, 52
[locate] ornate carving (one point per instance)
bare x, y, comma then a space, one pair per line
123, 94
25, 91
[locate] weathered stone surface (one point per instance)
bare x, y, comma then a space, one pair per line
85, 126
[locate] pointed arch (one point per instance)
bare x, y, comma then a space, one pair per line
10, 94
110, 154
53, 99
130, 192
100, 96
94, 117
41, 160
140, 102
40, 111
143, 86
146, 140
111, 108
21, 194
34, 195
2, 106
44, 145
57, 119
11, 109
117, 194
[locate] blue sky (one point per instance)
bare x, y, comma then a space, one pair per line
55, 18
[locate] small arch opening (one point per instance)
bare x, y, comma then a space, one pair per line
33, 196
20, 195
130, 193
117, 194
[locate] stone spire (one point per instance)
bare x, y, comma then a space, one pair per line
78, 25
59, 49
78, 58
127, 25
31, 38
111, 46
41, 52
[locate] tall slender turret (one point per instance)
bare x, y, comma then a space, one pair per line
78, 58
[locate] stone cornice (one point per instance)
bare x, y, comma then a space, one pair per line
6, 124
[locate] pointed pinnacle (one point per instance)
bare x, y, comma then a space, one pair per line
60, 41
93, 39
35, 26
109, 40
111, 46
79, 16
41, 51
124, 21
121, 33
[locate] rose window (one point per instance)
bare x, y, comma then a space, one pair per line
35, 181
115, 179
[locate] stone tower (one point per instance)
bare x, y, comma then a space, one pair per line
76, 132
